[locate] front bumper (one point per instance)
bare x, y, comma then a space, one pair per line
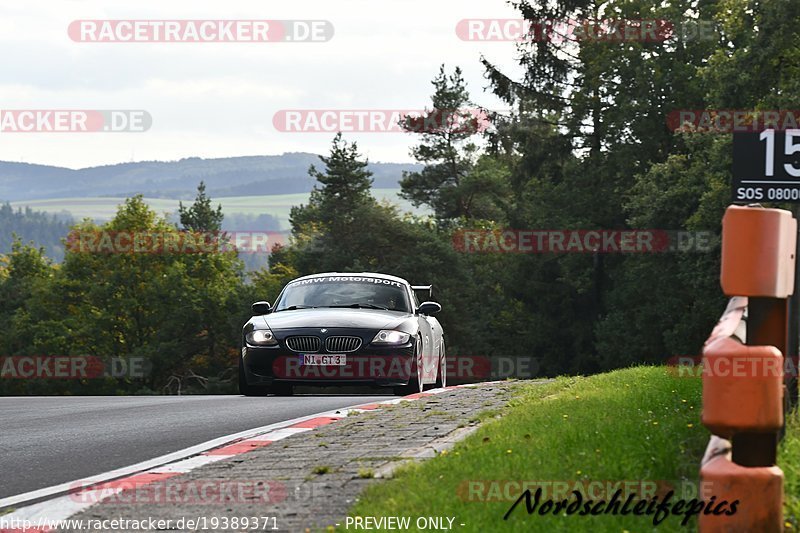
375, 365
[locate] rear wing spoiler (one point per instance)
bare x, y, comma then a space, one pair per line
424, 288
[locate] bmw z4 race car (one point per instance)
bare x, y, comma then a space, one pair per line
343, 329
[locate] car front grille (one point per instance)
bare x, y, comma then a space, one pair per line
305, 344
342, 344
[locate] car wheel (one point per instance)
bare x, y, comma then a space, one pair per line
247, 389
441, 375
415, 381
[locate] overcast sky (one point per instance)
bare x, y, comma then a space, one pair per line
218, 99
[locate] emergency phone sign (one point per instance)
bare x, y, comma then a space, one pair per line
766, 166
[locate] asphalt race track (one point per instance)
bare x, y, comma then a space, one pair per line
50, 440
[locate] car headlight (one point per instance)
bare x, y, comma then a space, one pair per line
261, 337
390, 336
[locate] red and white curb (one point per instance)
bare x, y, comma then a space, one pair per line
67, 499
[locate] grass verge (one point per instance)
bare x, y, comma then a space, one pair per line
639, 425
789, 461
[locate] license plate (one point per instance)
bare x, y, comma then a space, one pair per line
317, 359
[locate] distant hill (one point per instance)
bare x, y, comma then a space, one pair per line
263, 212
232, 176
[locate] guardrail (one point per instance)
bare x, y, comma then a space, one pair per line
743, 379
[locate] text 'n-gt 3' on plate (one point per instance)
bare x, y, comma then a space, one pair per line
343, 329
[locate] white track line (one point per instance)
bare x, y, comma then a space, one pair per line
67, 499
19, 499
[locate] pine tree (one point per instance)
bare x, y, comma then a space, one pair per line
201, 216
445, 150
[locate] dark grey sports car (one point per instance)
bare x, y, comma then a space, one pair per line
334, 328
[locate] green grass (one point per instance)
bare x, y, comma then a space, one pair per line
789, 461
321, 470
277, 205
639, 424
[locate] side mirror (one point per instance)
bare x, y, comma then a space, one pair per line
261, 308
429, 308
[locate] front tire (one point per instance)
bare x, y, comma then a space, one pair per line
441, 376
245, 388
414, 382
278, 389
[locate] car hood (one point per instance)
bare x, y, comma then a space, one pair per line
336, 318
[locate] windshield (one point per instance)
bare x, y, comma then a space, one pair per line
338, 291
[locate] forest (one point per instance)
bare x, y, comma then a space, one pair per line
588, 146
